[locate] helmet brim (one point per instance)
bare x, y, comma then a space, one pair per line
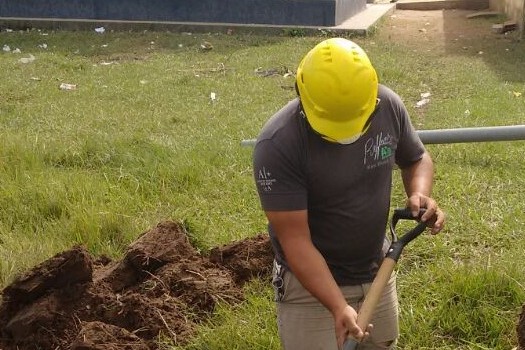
344, 129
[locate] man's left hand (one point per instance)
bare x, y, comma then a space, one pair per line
433, 215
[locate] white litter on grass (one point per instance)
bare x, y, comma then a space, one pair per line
422, 102
29, 59
9, 30
43, 46
213, 97
66, 86
424, 99
6, 48
206, 46
100, 30
17, 50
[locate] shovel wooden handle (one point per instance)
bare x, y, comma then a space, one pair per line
374, 294
372, 298
384, 273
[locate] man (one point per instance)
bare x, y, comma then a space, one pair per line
323, 169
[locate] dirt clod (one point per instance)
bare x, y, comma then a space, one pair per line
520, 330
161, 288
102, 336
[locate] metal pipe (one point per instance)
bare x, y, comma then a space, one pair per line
460, 135
481, 134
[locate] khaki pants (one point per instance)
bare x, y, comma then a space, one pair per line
305, 324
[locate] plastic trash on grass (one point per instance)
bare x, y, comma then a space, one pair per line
29, 59
66, 86
425, 99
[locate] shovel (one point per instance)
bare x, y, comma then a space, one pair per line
387, 267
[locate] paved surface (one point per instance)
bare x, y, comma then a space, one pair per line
365, 21
426, 5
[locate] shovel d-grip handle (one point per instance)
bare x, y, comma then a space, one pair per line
387, 267
397, 244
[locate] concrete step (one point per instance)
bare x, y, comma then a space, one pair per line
365, 21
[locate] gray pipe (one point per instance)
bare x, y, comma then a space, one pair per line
482, 134
460, 135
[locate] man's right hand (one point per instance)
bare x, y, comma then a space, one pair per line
346, 326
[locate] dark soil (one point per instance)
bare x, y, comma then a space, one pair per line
520, 330
161, 288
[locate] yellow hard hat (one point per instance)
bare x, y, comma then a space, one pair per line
337, 86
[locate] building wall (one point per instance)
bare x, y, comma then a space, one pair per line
280, 12
514, 9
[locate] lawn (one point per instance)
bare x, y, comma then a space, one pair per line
152, 131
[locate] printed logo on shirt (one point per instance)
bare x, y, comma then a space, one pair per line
265, 180
378, 150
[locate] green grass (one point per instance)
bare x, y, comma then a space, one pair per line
249, 325
140, 141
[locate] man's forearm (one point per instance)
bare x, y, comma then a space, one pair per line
419, 177
311, 270
303, 258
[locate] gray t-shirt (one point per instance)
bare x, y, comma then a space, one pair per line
345, 188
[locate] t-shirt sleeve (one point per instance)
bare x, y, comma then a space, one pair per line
279, 178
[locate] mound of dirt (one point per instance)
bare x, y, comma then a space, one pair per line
161, 288
521, 329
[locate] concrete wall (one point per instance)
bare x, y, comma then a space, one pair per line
514, 9
348, 8
278, 12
